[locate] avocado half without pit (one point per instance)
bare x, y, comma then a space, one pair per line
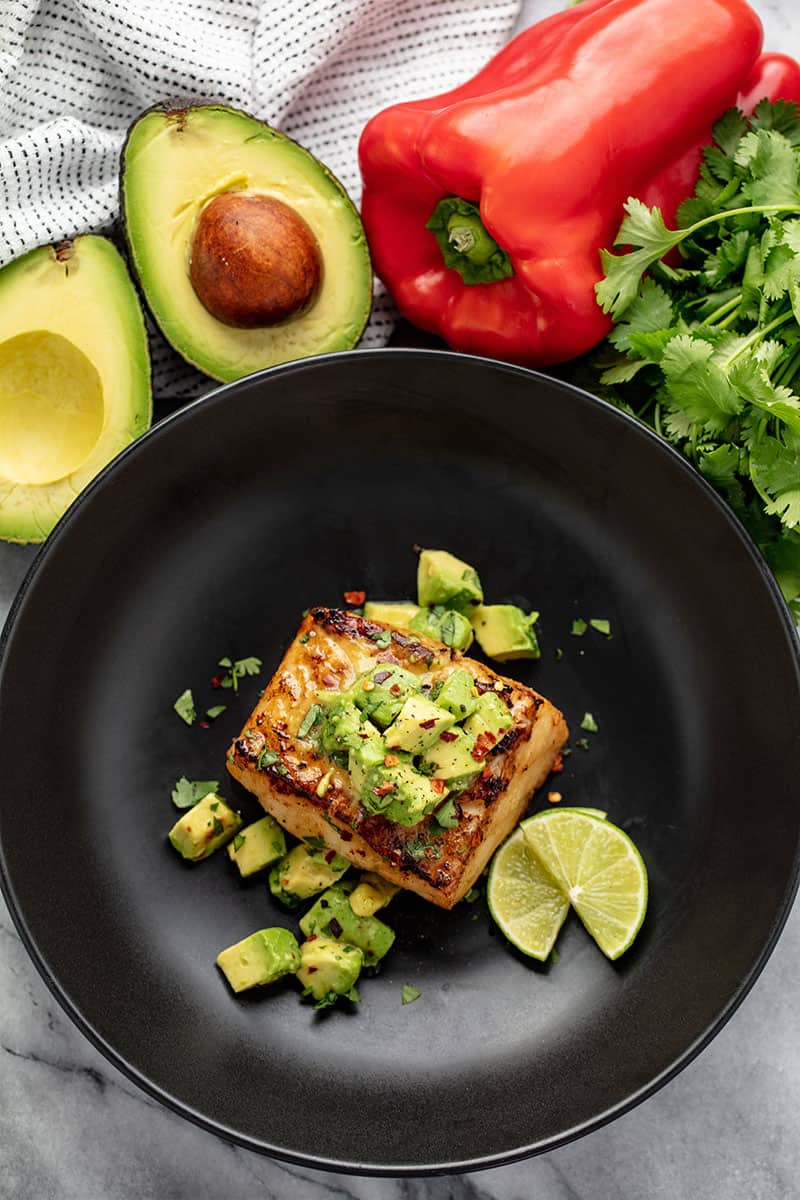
248, 250
74, 378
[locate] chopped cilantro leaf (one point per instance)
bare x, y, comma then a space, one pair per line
187, 793
410, 994
472, 895
559, 654
554, 955
238, 841
215, 712
579, 627
309, 720
266, 758
583, 743
588, 723
184, 707
237, 670
218, 827
446, 814
601, 624
382, 638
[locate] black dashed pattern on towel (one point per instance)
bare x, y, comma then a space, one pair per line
75, 73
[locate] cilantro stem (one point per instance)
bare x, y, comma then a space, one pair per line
725, 310
735, 212
758, 335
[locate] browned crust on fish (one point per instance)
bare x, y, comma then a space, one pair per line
331, 649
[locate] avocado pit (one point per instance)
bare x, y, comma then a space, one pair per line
253, 261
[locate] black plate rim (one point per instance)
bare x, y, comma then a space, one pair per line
400, 1169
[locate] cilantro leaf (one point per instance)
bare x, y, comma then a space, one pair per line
410, 994
216, 711
187, 793
184, 707
643, 228
589, 724
238, 670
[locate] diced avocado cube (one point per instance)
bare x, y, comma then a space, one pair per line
332, 916
371, 893
205, 827
391, 612
328, 969
303, 872
451, 760
256, 846
261, 958
368, 752
340, 725
445, 625
444, 579
458, 694
490, 717
417, 725
400, 792
505, 632
380, 692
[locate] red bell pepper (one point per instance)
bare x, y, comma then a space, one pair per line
517, 178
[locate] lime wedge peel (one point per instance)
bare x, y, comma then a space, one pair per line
595, 866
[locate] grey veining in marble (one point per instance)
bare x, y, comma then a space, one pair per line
728, 1127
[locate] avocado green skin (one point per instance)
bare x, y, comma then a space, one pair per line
328, 969
176, 108
372, 937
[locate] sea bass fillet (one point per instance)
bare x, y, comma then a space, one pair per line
313, 796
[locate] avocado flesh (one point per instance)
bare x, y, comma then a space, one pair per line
173, 163
261, 958
74, 378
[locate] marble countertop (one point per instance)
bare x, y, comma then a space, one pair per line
73, 1128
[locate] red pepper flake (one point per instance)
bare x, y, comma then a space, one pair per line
383, 789
448, 736
396, 690
381, 676
390, 760
329, 680
356, 598
428, 724
486, 773
312, 937
216, 681
204, 724
311, 970
558, 765
330, 855
438, 786
483, 744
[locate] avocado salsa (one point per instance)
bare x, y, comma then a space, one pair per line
408, 746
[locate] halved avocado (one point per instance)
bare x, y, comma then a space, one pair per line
74, 378
177, 164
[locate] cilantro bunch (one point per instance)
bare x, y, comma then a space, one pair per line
706, 345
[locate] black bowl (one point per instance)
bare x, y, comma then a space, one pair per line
207, 538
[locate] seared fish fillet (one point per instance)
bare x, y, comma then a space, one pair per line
312, 797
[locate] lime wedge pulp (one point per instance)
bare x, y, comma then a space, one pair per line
596, 866
523, 899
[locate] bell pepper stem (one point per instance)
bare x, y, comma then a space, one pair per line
466, 244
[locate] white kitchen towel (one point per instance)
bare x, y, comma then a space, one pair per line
75, 73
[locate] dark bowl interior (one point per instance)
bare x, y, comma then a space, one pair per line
207, 538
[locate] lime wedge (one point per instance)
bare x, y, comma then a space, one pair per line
523, 900
598, 868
